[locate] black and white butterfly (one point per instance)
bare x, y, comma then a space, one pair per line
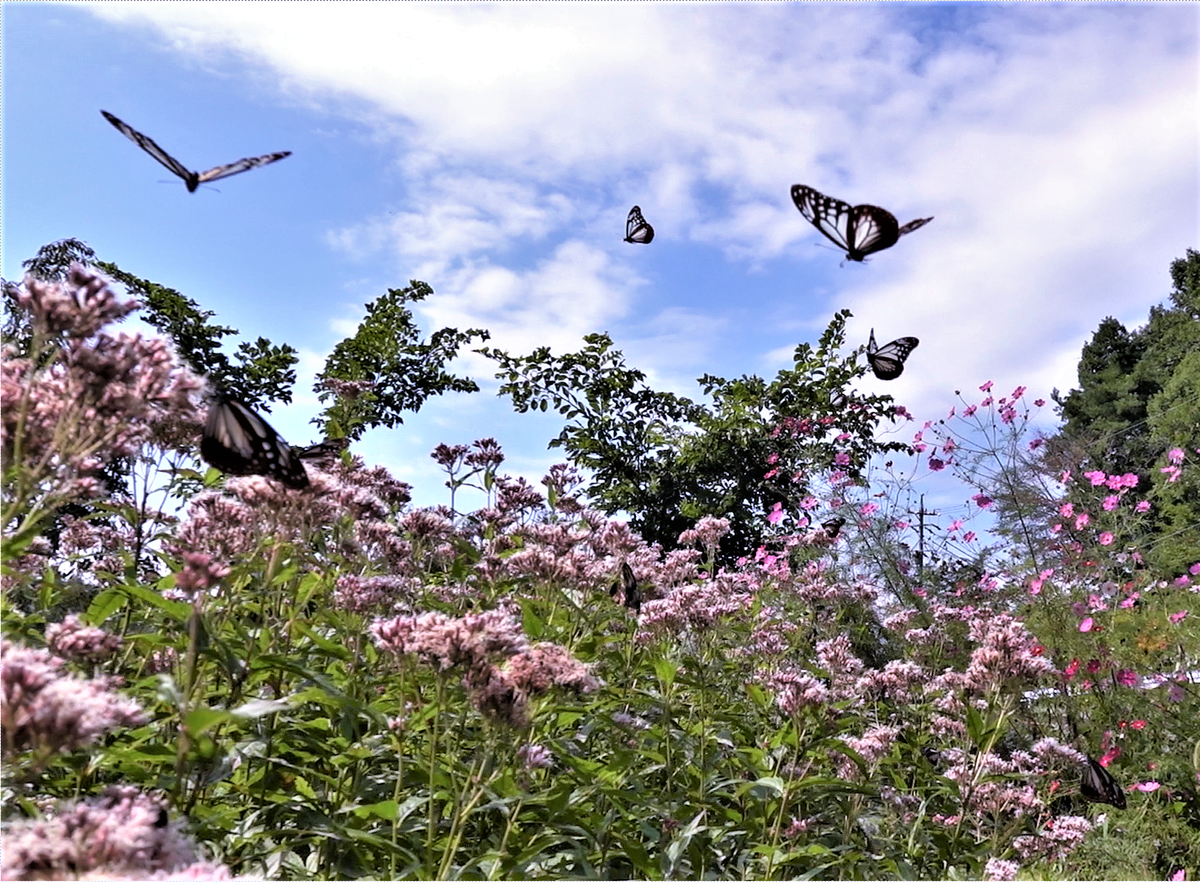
631, 597
833, 526
888, 361
240, 442
1097, 785
323, 454
191, 178
859, 230
636, 228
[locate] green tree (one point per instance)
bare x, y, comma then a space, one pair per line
667, 461
397, 369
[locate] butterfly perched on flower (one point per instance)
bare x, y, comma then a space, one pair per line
239, 442
191, 178
1097, 785
888, 361
859, 230
636, 228
323, 453
631, 597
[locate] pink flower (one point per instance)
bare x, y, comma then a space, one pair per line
1066, 510
1138, 724
777, 514
1072, 668
935, 464
1172, 473
1126, 677
920, 447
1147, 786
1194, 569
1129, 601
1175, 456
970, 410
986, 387
868, 508
950, 415
1036, 443
1178, 617
1086, 624
1082, 521
1106, 538
986, 402
1179, 876
955, 526
1018, 392
1040, 402
808, 503
1144, 505
969, 536
1097, 478
1057, 528
982, 500
1111, 502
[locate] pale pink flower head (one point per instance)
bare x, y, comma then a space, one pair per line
1097, 478
1178, 617
1175, 456
777, 514
1106, 538
71, 639
1147, 786
1111, 502
1087, 624
1143, 505
1082, 520
1066, 510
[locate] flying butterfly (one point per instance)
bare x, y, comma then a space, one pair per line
833, 526
888, 361
240, 442
191, 178
636, 228
1097, 785
859, 230
631, 597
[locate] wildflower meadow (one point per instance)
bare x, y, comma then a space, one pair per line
809, 673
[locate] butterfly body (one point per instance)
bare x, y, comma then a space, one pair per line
240, 442
1098, 785
637, 230
191, 179
858, 230
888, 361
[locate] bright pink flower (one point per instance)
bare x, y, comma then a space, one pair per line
1082, 521
1138, 724
1057, 528
1097, 478
920, 447
1086, 624
1035, 587
986, 387
1172, 473
1194, 569
1179, 876
808, 503
970, 411
1036, 443
1147, 786
1040, 402
1129, 601
1144, 505
1178, 617
955, 526
1066, 476
901, 525
1111, 502
777, 514
949, 446
868, 508
982, 500
1018, 392
1106, 538
1066, 510
1175, 456
1072, 668
986, 402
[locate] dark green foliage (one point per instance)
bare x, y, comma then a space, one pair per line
667, 461
259, 373
1139, 397
387, 352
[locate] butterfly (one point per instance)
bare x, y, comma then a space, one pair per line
860, 230
191, 178
833, 526
1097, 785
888, 361
240, 442
631, 598
636, 228
323, 453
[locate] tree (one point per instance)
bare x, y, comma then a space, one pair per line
667, 461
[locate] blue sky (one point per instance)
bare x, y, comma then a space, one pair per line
494, 151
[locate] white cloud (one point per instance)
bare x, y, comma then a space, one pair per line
1055, 146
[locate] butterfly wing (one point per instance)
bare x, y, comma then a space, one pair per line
240, 442
631, 598
242, 165
830, 216
888, 361
913, 225
1097, 785
871, 229
636, 228
176, 167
